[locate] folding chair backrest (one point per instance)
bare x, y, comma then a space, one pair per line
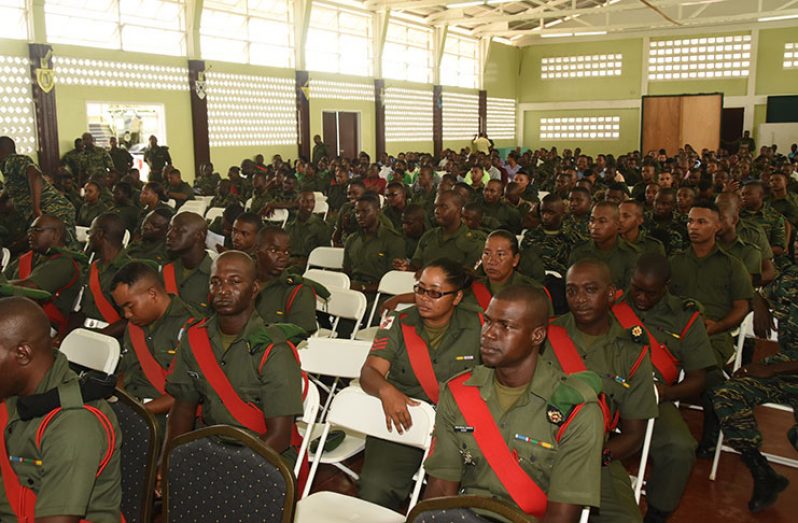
319, 196
213, 212
212, 254
310, 411
393, 283
5, 259
278, 216
747, 331
347, 304
326, 258
321, 207
171, 203
329, 279
91, 350
334, 357
641, 471
126, 239
197, 206
139, 457
234, 479
82, 233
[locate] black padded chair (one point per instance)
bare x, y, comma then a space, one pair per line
224, 474
458, 509
139, 456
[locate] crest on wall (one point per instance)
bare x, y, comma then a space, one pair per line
45, 76
199, 85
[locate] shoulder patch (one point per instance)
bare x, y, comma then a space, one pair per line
387, 322
636, 334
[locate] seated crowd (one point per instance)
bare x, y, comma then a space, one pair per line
561, 301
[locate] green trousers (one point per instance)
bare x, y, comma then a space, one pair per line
387, 476
671, 459
617, 498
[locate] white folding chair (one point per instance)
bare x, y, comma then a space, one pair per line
212, 253
639, 480
520, 238
248, 205
310, 411
554, 273
542, 194
91, 350
393, 283
126, 239
206, 199
585, 515
213, 212
319, 196
326, 258
321, 207
342, 303
6, 258
171, 203
197, 206
82, 233
329, 279
355, 410
278, 216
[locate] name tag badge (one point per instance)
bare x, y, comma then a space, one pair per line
467, 357
463, 428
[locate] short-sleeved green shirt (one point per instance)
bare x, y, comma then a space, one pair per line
273, 302
194, 285
106, 273
787, 206
746, 253
667, 320
614, 355
162, 338
457, 351
508, 216
755, 235
94, 161
304, 236
147, 250
276, 389
771, 221
461, 247
368, 257
621, 259
73, 445
129, 215
646, 243
569, 472
89, 211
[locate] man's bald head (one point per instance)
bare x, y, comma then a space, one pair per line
187, 231
533, 301
239, 259
191, 220
729, 199
46, 232
233, 284
25, 349
112, 227
267, 234
601, 269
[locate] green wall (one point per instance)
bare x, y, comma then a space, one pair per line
629, 134
501, 71
771, 77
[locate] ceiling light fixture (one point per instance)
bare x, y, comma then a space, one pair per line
777, 18
556, 35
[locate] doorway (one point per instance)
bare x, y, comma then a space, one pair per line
731, 128
341, 133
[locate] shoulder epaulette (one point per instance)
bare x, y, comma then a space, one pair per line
577, 388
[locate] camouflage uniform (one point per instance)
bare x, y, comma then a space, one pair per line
771, 221
259, 201
72, 161
94, 161
224, 201
207, 184
788, 207
157, 157
553, 246
576, 228
672, 233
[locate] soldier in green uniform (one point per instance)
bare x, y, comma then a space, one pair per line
285, 199
685, 198
72, 158
306, 230
524, 395
152, 243
156, 324
153, 197
395, 204
157, 157
414, 225
31, 193
92, 206
260, 192
664, 224
630, 220
13, 227
757, 211
678, 342
224, 195
606, 244
781, 199
285, 296
576, 223
239, 186
450, 239
346, 223
245, 232
43, 482
313, 181
549, 241
65, 183
445, 336
123, 206
97, 307
751, 234
53, 268
731, 242
492, 205
207, 180
94, 161
235, 340
425, 191
177, 189
770, 381
590, 338
121, 159
513, 196
479, 224
189, 273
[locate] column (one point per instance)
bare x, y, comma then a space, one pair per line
43, 91
199, 114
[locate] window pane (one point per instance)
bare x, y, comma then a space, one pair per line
74, 30
226, 25
13, 23
272, 55
223, 49
146, 40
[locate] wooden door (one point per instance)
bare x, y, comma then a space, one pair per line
329, 126
348, 134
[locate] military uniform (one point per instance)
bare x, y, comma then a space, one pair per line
129, 215
13, 231
72, 161
315, 183
288, 298
787, 206
567, 469
621, 259
346, 221
157, 157
121, 159
304, 236
207, 183
274, 386
746, 253
508, 216
411, 244
182, 188
715, 281
672, 233
106, 272
755, 235
771, 221
576, 227
532, 266
95, 161
89, 211
336, 197
193, 285
224, 201
259, 201
386, 478
147, 250
242, 187
461, 247
394, 215
145, 211
645, 244
673, 323
614, 356
66, 483
471, 296
554, 247
367, 258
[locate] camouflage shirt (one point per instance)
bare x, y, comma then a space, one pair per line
782, 294
15, 173
94, 161
554, 247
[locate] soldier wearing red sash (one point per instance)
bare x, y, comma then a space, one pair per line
517, 428
677, 339
413, 352
187, 276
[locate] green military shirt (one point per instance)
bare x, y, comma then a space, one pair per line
129, 215
568, 470
147, 250
516, 278
15, 177
183, 188
715, 281
771, 221
304, 236
157, 157
73, 445
72, 161
273, 302
346, 221
276, 389
508, 216
316, 183
259, 201
89, 211
532, 266
394, 215
242, 187
107, 272
755, 235
666, 321
367, 258
194, 285
673, 232
554, 247
223, 201
336, 196
207, 183
576, 227
788, 207
746, 253
94, 161
411, 244
121, 159
614, 355
461, 247
457, 351
645, 244
162, 338
621, 259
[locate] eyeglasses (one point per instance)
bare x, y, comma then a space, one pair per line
435, 295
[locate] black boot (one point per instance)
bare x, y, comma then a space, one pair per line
655, 515
709, 435
767, 483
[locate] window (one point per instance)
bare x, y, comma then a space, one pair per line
408, 115
581, 128
13, 20
16, 103
791, 55
258, 32
460, 116
407, 54
325, 89
700, 58
501, 118
339, 40
460, 64
581, 66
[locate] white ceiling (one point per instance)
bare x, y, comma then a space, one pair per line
527, 22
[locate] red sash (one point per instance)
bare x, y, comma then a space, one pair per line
418, 352
482, 294
25, 265
53, 313
665, 362
107, 310
22, 499
169, 279
522, 488
153, 371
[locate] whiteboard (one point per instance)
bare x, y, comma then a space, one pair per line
782, 134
